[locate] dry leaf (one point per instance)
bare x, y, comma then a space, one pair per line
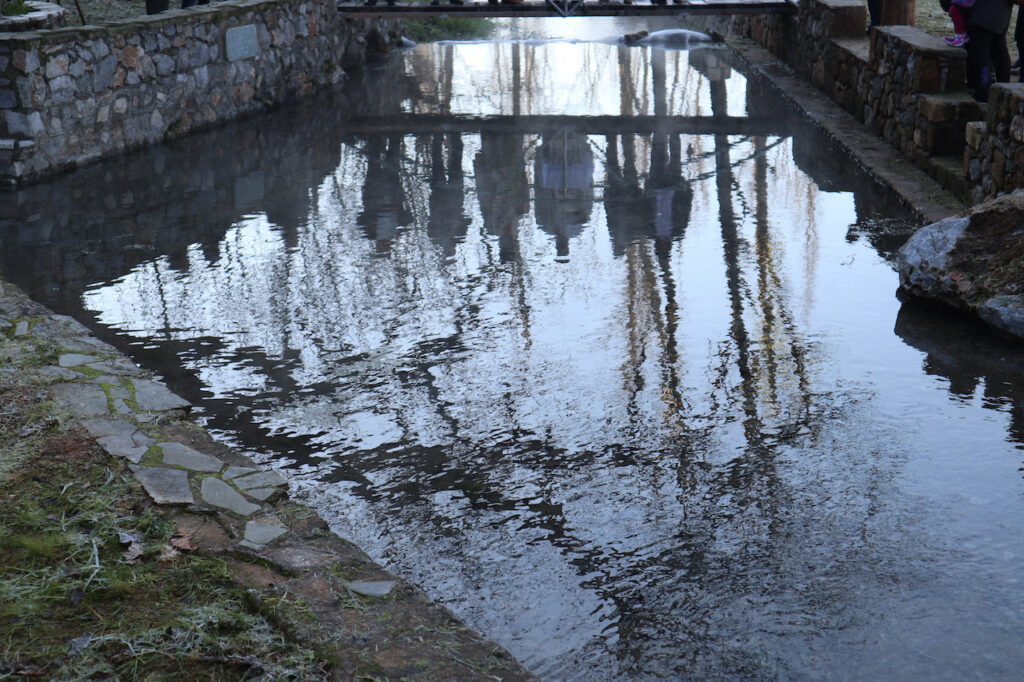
133, 552
184, 543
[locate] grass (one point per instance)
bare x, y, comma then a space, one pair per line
72, 607
15, 8
446, 28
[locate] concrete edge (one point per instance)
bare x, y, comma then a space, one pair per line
920, 193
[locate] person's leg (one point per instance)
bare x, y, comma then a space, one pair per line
1000, 58
978, 56
874, 12
959, 17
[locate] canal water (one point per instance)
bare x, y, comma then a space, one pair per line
597, 344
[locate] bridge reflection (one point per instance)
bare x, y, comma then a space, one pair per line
398, 299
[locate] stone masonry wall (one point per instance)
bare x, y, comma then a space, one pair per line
995, 146
906, 85
72, 95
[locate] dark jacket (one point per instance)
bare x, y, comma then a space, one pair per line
991, 15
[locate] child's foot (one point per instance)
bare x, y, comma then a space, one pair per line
959, 40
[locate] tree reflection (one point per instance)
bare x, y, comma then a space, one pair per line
572, 420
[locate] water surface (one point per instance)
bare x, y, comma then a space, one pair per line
598, 345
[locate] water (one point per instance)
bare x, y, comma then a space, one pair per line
630, 394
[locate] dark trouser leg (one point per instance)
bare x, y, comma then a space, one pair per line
979, 53
875, 12
1000, 58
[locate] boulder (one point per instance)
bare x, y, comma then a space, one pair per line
973, 262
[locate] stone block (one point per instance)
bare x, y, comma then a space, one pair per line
180, 455
165, 486
949, 107
26, 61
241, 42
976, 132
24, 125
219, 494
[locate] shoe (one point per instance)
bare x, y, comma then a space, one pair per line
959, 40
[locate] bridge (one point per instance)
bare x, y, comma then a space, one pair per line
564, 8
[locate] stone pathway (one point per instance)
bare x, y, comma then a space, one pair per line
316, 586
121, 407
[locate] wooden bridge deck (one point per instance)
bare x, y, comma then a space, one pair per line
557, 8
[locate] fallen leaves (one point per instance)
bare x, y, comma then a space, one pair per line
135, 546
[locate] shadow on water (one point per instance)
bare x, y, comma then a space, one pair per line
603, 360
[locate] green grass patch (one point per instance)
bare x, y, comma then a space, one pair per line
446, 28
72, 606
16, 8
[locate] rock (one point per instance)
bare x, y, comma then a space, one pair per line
119, 366
165, 486
132, 446
263, 479
52, 372
220, 494
99, 428
152, 396
974, 263
236, 471
180, 455
371, 588
921, 262
262, 494
82, 400
75, 359
260, 532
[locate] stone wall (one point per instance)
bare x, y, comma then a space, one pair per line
995, 146
904, 84
72, 95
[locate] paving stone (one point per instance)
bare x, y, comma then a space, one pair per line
75, 359
54, 372
372, 588
105, 379
121, 407
260, 532
99, 428
184, 456
151, 396
262, 479
132, 446
70, 324
21, 328
82, 400
220, 494
262, 494
85, 345
165, 486
236, 471
119, 366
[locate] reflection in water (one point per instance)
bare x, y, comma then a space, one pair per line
627, 398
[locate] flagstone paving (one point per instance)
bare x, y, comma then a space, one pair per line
223, 504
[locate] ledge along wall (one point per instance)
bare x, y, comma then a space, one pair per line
73, 95
904, 84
